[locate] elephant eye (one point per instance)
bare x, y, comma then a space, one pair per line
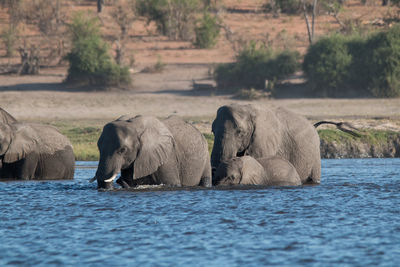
122, 150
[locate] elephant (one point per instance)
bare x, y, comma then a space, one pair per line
6, 117
266, 132
149, 151
34, 151
246, 170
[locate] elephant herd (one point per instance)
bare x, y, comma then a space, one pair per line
252, 146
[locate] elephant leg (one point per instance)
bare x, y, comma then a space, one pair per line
206, 178
315, 177
126, 180
123, 183
25, 169
168, 173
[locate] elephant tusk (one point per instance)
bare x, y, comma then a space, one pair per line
111, 179
92, 179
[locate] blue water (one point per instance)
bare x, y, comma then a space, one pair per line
351, 219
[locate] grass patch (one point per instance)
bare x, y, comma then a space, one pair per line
83, 138
84, 141
372, 137
210, 140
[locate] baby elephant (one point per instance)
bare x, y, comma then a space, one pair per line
247, 170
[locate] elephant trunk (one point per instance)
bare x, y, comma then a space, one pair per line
222, 151
107, 172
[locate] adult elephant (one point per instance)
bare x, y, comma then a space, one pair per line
34, 151
149, 151
6, 117
247, 170
249, 130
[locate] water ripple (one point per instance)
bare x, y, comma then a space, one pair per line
352, 218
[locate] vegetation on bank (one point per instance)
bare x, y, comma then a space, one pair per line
364, 60
371, 144
256, 66
334, 143
89, 60
368, 65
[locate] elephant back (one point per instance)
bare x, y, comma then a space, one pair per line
50, 139
280, 172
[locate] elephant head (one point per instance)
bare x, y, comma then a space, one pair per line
239, 131
16, 141
140, 144
239, 170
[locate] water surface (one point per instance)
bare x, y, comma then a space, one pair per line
351, 219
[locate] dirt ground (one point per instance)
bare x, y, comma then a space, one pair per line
44, 98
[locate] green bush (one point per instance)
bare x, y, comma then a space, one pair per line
154, 10
90, 62
174, 18
207, 31
254, 65
382, 60
9, 37
289, 6
327, 65
368, 65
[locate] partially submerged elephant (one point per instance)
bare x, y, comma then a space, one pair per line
34, 151
249, 130
246, 170
149, 151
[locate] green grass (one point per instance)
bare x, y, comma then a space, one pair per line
84, 141
210, 140
373, 137
83, 136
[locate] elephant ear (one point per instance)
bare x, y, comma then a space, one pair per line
268, 134
22, 143
156, 145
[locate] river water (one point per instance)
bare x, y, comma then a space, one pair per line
351, 219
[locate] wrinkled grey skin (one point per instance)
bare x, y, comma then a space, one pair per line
34, 151
6, 117
149, 151
246, 170
248, 130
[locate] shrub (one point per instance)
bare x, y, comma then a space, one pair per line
382, 60
254, 65
174, 18
327, 65
207, 31
289, 6
358, 69
90, 62
365, 64
9, 37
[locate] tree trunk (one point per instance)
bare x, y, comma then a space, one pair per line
29, 61
310, 28
100, 4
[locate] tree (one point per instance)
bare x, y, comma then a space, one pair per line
310, 28
90, 62
100, 4
124, 15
